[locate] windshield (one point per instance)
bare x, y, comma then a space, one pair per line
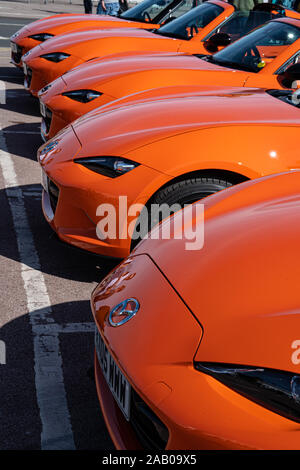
242, 22
287, 96
148, 10
188, 24
183, 7
254, 51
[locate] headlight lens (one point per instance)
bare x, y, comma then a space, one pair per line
107, 166
46, 88
55, 56
15, 35
83, 96
277, 390
50, 146
42, 36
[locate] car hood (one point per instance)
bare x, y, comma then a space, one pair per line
82, 36
242, 284
45, 24
93, 43
98, 72
50, 21
135, 125
80, 21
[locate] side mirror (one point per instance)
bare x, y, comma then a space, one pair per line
291, 74
217, 40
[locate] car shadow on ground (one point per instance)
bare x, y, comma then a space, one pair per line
23, 133
14, 75
56, 258
20, 424
21, 102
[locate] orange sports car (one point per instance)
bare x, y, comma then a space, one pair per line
263, 58
174, 151
201, 349
189, 34
149, 14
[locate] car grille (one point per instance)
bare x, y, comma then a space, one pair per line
47, 119
53, 195
150, 431
16, 56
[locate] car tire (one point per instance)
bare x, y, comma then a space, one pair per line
181, 192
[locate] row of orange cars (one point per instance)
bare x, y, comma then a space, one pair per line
169, 104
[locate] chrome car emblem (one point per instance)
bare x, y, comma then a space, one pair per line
123, 312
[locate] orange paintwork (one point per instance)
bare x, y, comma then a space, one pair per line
67, 23
130, 75
86, 45
236, 134
237, 303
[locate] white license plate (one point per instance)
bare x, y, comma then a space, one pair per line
14, 47
42, 109
44, 181
118, 385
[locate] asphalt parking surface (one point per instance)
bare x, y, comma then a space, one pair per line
48, 397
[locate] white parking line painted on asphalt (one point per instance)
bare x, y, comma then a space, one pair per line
12, 24
49, 381
32, 193
2, 93
36, 16
87, 327
21, 132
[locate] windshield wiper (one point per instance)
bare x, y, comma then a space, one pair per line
232, 65
169, 34
201, 56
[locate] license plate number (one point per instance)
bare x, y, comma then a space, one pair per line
44, 181
42, 109
118, 385
14, 47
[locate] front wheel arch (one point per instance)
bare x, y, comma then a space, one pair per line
231, 177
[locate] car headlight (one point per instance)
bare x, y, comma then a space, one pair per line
55, 56
15, 35
48, 147
42, 36
46, 88
277, 390
107, 166
84, 96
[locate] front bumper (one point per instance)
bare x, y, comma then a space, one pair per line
123, 434
44, 71
16, 54
215, 419
60, 111
19, 47
71, 208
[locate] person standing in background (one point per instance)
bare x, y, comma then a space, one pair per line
243, 6
108, 7
88, 6
123, 6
